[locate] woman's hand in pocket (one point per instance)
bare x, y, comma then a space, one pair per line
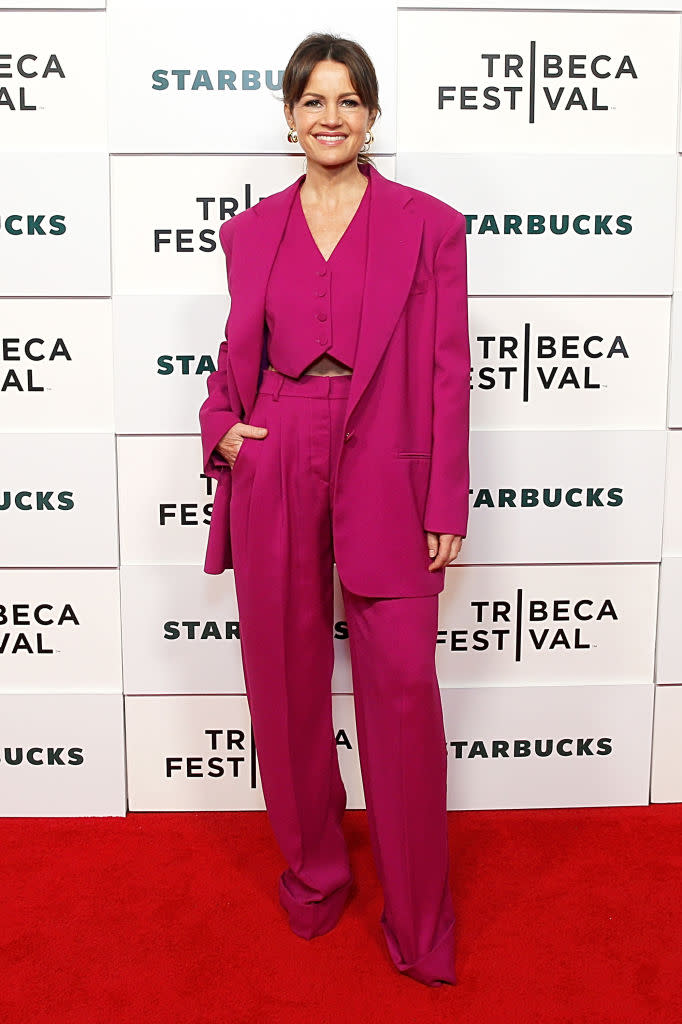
231, 442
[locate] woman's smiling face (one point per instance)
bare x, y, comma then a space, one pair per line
330, 118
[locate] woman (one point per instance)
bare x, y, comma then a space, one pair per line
337, 427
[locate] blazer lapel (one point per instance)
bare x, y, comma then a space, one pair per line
253, 254
393, 240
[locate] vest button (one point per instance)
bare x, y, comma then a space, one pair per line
322, 316
322, 273
320, 292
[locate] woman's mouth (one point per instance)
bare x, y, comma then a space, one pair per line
330, 140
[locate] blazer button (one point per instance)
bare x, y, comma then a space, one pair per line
348, 434
322, 316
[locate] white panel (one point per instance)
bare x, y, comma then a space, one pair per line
58, 500
668, 647
181, 632
167, 210
675, 393
568, 363
672, 517
532, 5
549, 81
52, 5
666, 765
206, 78
165, 348
497, 625
53, 70
608, 485
56, 365
597, 741
619, 210
191, 753
197, 753
677, 278
165, 502
62, 755
343, 712
60, 630
547, 624
54, 226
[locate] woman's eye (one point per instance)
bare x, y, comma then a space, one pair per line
353, 103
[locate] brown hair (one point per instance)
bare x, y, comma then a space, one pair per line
324, 46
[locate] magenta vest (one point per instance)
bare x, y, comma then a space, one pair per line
313, 306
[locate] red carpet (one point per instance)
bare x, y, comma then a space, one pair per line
564, 917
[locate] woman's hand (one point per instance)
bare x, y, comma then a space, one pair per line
230, 443
444, 546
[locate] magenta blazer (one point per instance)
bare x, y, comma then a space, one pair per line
404, 463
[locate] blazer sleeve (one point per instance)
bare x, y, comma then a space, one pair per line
447, 502
215, 415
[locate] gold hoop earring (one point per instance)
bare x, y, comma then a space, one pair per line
368, 143
292, 132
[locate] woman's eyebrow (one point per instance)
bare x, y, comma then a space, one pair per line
341, 94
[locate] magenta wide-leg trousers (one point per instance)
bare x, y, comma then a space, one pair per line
282, 547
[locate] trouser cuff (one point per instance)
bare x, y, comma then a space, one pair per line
311, 919
433, 968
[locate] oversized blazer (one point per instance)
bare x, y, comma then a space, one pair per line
403, 465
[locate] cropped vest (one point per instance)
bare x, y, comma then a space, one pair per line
313, 306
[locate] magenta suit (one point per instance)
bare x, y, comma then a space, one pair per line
353, 470
408, 407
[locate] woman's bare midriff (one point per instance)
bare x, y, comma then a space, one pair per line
325, 366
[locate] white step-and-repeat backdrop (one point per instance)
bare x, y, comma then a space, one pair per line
128, 135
